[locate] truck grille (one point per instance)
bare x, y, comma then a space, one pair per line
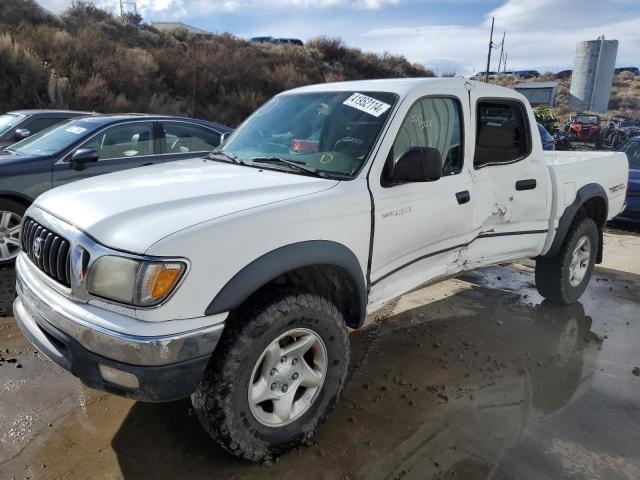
49, 251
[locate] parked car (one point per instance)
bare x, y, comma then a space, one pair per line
20, 124
289, 41
564, 74
633, 70
585, 129
480, 76
234, 279
262, 40
86, 147
632, 210
277, 41
528, 73
548, 141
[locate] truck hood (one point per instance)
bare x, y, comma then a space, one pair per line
133, 209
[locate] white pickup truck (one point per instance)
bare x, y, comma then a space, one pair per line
234, 278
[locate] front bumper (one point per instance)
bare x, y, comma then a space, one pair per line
166, 367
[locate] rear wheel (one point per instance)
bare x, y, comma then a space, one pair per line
277, 373
11, 214
564, 277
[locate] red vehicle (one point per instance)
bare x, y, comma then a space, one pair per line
585, 128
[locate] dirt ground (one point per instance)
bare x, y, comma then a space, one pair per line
473, 378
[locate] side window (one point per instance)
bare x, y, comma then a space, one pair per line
128, 140
502, 135
184, 138
435, 123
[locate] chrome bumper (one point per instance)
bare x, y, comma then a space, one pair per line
38, 306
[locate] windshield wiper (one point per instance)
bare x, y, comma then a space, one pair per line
300, 167
223, 156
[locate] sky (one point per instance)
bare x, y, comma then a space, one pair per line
450, 36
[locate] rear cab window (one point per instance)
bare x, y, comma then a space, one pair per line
502, 132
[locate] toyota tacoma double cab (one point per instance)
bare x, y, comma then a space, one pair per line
235, 278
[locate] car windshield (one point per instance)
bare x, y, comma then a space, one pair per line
632, 149
55, 139
586, 119
331, 132
544, 135
8, 120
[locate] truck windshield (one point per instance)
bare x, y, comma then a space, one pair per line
587, 119
332, 132
7, 121
55, 139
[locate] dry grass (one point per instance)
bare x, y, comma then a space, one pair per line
103, 65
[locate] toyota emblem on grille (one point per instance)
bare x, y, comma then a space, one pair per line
37, 247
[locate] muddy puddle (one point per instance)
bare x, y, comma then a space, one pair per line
473, 378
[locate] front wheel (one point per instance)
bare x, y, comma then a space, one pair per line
564, 277
278, 371
11, 214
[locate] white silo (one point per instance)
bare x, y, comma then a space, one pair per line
593, 75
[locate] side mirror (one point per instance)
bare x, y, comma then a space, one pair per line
21, 134
418, 164
82, 156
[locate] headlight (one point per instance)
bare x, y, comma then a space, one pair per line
134, 282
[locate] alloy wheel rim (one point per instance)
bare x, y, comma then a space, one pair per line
287, 377
10, 226
580, 261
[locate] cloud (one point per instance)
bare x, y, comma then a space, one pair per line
541, 34
180, 8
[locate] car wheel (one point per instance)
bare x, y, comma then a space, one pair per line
11, 214
564, 277
278, 371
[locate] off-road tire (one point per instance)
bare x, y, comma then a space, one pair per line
7, 205
221, 400
552, 273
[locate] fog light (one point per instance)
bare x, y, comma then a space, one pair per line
124, 379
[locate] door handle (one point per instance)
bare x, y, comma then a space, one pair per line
146, 164
463, 197
528, 184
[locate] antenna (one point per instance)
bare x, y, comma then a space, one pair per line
501, 52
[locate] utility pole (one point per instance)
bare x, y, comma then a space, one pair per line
486, 74
501, 51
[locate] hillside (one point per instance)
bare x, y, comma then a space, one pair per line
87, 59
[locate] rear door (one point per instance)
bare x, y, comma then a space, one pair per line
510, 173
180, 140
121, 146
421, 228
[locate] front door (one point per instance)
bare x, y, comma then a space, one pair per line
120, 147
422, 227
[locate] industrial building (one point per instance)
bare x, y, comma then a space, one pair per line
538, 93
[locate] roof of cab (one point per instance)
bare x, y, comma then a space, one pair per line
48, 111
402, 86
107, 119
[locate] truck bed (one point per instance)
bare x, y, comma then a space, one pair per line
571, 171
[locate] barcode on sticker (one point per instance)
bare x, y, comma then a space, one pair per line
367, 104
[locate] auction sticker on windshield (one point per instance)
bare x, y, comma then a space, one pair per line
76, 130
367, 104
